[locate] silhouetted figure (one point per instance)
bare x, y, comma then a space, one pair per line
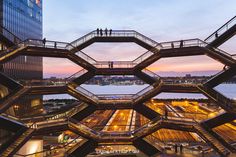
176, 148
111, 64
216, 35
101, 32
181, 148
97, 31
55, 45
172, 45
110, 32
181, 43
44, 42
106, 31
166, 114
225, 67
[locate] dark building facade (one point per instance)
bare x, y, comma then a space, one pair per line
23, 19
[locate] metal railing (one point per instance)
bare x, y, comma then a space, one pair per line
77, 74
46, 44
192, 43
147, 54
219, 98
161, 119
44, 82
113, 33
114, 64
84, 129
9, 35
115, 96
143, 92
47, 123
87, 93
112, 128
152, 74
86, 57
221, 30
183, 43
51, 152
217, 74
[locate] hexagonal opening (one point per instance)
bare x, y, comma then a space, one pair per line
60, 68
114, 51
193, 69
198, 109
114, 85
169, 136
53, 143
229, 46
228, 88
39, 105
228, 131
115, 120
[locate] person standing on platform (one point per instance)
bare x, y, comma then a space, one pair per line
110, 32
216, 35
44, 41
172, 45
97, 31
176, 148
106, 31
181, 43
101, 32
166, 113
111, 64
181, 148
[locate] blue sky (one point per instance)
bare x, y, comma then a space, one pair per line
162, 20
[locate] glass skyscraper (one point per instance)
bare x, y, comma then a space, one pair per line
23, 18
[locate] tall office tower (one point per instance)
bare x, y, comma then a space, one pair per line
21, 20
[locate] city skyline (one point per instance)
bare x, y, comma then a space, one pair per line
161, 21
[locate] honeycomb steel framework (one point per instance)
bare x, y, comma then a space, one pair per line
91, 102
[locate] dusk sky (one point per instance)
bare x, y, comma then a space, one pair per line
160, 20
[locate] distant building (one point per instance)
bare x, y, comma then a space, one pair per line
188, 75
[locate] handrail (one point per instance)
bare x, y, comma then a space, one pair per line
77, 74
114, 33
83, 128
152, 74
147, 54
75, 42
9, 35
114, 64
217, 74
190, 43
220, 98
115, 96
218, 32
142, 92
18, 134
86, 57
57, 148
161, 119
87, 93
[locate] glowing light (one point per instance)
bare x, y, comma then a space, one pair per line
211, 115
115, 127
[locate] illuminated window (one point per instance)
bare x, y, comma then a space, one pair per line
38, 2
35, 102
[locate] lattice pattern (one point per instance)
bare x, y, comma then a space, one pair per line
91, 102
